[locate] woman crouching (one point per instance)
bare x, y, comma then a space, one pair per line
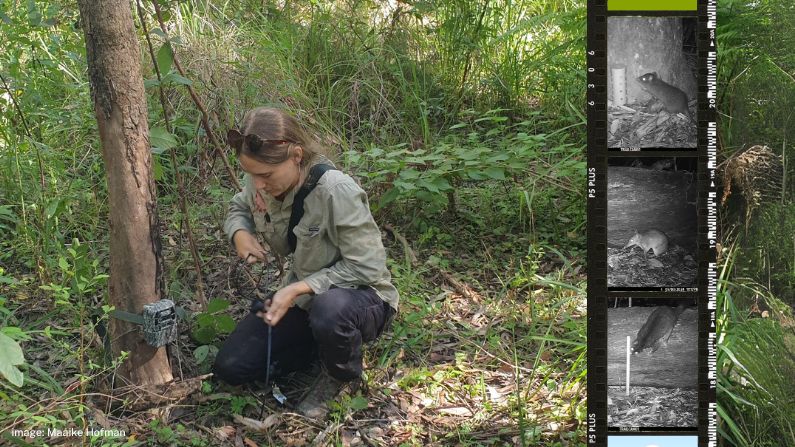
338, 293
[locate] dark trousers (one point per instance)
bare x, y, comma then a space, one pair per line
339, 321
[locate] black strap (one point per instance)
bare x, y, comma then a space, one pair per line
315, 172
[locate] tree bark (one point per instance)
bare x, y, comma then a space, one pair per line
136, 262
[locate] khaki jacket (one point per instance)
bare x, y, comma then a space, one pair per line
338, 242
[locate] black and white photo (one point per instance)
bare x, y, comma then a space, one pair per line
651, 82
652, 224
652, 362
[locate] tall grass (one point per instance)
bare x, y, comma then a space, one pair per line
755, 363
769, 249
390, 75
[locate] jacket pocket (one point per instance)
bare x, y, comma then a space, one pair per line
313, 250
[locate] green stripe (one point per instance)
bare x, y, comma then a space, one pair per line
651, 5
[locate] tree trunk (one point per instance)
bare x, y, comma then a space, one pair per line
136, 262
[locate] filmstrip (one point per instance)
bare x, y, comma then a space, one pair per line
651, 253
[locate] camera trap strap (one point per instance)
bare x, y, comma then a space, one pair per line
315, 173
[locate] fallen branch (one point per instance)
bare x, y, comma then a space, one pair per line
367, 440
321, 437
410, 256
256, 425
141, 398
461, 288
217, 396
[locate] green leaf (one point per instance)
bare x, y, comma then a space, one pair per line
157, 167
409, 174
404, 186
148, 83
426, 196
10, 356
205, 320
165, 13
468, 154
493, 119
442, 184
34, 15
224, 323
165, 57
517, 165
359, 402
63, 264
498, 157
200, 354
7, 215
495, 173
161, 138
16, 333
7, 280
427, 185
388, 197
217, 305
54, 208
177, 79
204, 335
475, 175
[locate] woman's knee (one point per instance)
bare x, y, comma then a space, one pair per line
228, 369
328, 312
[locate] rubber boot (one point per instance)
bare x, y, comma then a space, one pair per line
315, 404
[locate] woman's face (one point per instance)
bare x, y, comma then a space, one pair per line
274, 179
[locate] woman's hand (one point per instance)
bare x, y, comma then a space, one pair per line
247, 246
282, 300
